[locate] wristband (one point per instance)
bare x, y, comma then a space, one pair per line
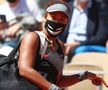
54, 87
82, 75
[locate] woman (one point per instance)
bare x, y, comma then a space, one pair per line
46, 73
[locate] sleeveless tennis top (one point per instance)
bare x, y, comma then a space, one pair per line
49, 62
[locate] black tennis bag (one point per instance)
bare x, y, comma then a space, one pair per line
9, 75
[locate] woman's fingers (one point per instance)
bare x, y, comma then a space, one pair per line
99, 81
103, 81
96, 80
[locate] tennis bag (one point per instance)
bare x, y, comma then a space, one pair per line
9, 75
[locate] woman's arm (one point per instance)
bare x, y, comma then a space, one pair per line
66, 81
27, 60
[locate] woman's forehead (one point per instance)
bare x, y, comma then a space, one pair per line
58, 16
58, 13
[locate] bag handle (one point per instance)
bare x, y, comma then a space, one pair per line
13, 52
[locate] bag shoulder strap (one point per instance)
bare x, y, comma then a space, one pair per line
14, 51
43, 46
43, 43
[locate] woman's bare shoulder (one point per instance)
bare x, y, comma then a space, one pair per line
30, 38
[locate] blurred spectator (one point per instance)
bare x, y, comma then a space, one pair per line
104, 11
42, 4
22, 16
7, 38
103, 6
68, 2
16, 8
86, 32
3, 25
12, 32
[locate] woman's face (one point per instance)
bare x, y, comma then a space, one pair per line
58, 17
56, 22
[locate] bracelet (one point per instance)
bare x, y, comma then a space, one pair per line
82, 75
54, 87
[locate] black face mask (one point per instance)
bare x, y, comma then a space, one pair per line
11, 1
54, 28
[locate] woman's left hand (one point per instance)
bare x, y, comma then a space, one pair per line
96, 80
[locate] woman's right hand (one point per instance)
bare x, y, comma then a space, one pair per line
96, 80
